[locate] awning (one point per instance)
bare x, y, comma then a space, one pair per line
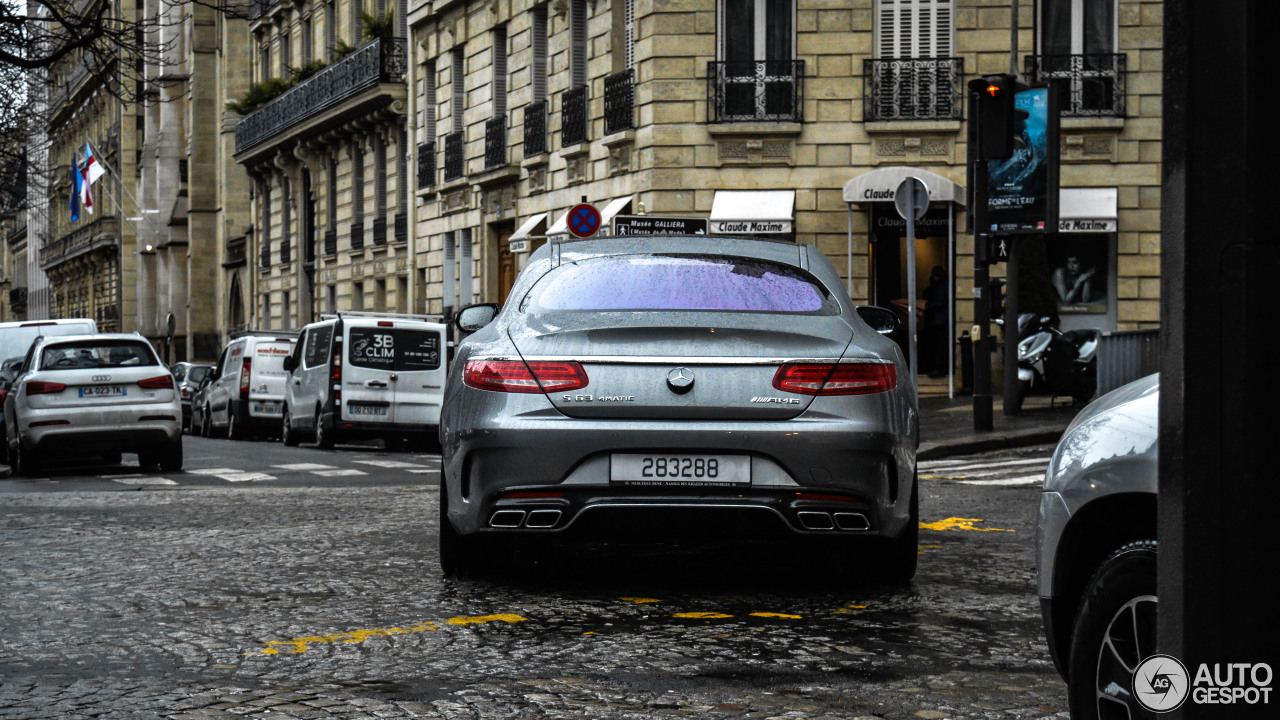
1087, 210
519, 240
560, 226
752, 212
615, 207
880, 186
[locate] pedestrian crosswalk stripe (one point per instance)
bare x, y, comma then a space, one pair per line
338, 472
421, 471
141, 480
304, 466
1023, 480
389, 463
956, 466
233, 475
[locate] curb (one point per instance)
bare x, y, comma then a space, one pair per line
935, 451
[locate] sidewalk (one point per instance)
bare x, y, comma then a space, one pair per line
946, 425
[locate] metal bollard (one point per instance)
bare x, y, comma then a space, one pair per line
966, 364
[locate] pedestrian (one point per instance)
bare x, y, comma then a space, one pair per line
935, 322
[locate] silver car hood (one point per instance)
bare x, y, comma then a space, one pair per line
1110, 447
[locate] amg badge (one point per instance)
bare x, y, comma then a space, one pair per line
776, 400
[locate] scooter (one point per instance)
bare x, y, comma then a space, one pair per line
1052, 362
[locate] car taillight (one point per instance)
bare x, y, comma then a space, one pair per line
4, 395
186, 394
245, 367
836, 378
518, 377
163, 382
335, 372
37, 387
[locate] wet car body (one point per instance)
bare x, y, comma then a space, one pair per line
1096, 548
541, 460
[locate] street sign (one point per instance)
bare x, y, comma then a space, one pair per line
911, 198
584, 220
654, 225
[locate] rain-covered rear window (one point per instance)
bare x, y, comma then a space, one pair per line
680, 282
96, 354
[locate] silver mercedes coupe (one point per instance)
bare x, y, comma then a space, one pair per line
662, 385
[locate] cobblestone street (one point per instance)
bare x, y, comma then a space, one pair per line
322, 598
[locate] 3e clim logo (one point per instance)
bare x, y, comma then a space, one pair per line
1161, 683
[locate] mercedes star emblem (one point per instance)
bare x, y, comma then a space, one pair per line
680, 380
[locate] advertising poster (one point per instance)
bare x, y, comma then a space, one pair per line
1078, 271
1022, 189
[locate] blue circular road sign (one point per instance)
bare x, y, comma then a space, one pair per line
584, 220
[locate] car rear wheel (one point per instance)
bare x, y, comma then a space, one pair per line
26, 462
170, 458
288, 435
324, 438
896, 558
205, 430
235, 430
458, 553
1115, 629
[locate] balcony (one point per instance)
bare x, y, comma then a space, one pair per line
357, 234
619, 102
535, 129
755, 91
573, 116
330, 241
495, 143
18, 299
1088, 85
908, 89
236, 254
426, 165
381, 60
101, 233
380, 230
401, 228
264, 253
455, 156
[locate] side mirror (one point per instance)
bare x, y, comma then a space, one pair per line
290, 363
473, 317
882, 320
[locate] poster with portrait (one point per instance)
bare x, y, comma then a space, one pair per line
1079, 272
1022, 190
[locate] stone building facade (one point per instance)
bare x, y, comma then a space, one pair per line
327, 163
816, 109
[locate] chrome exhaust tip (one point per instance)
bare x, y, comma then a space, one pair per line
810, 520
852, 521
543, 518
507, 519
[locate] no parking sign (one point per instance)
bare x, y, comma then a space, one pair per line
584, 220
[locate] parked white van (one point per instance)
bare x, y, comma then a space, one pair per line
16, 337
359, 375
245, 396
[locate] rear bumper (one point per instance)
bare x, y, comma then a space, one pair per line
372, 429
80, 440
246, 418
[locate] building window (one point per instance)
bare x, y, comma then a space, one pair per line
914, 76
357, 9
1077, 27
357, 296
265, 249
577, 43
458, 83
499, 70
757, 76
539, 43
1077, 41
306, 41
331, 27
286, 310
357, 196
283, 33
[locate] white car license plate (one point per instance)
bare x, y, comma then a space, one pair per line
102, 391
268, 409
366, 410
680, 469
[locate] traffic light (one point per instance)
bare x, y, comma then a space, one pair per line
997, 297
995, 115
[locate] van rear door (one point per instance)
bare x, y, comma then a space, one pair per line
394, 372
420, 372
267, 377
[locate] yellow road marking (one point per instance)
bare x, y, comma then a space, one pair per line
639, 600
481, 619
301, 645
702, 615
784, 616
850, 609
959, 524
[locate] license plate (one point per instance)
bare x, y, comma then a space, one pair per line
365, 410
680, 469
102, 391
268, 409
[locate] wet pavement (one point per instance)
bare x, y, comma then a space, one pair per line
322, 598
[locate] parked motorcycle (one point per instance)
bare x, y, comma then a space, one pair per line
1052, 362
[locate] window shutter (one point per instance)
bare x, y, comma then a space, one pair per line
357, 183
380, 176
539, 43
629, 33
915, 28
459, 86
578, 44
499, 68
429, 101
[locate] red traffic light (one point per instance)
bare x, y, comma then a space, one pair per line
993, 89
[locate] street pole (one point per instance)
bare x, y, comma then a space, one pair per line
911, 285
982, 407
1011, 329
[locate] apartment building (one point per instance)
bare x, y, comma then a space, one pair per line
794, 119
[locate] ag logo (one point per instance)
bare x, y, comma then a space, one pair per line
1160, 683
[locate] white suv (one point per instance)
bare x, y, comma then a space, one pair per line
355, 375
246, 395
93, 395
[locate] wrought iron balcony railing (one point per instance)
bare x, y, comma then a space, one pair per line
535, 128
495, 142
619, 101
426, 165
573, 116
912, 89
357, 234
380, 230
1088, 85
381, 60
286, 248
330, 241
455, 156
401, 228
755, 91
264, 252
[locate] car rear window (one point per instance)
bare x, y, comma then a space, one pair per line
681, 282
96, 354
196, 374
401, 349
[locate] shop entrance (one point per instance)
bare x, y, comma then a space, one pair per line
889, 280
